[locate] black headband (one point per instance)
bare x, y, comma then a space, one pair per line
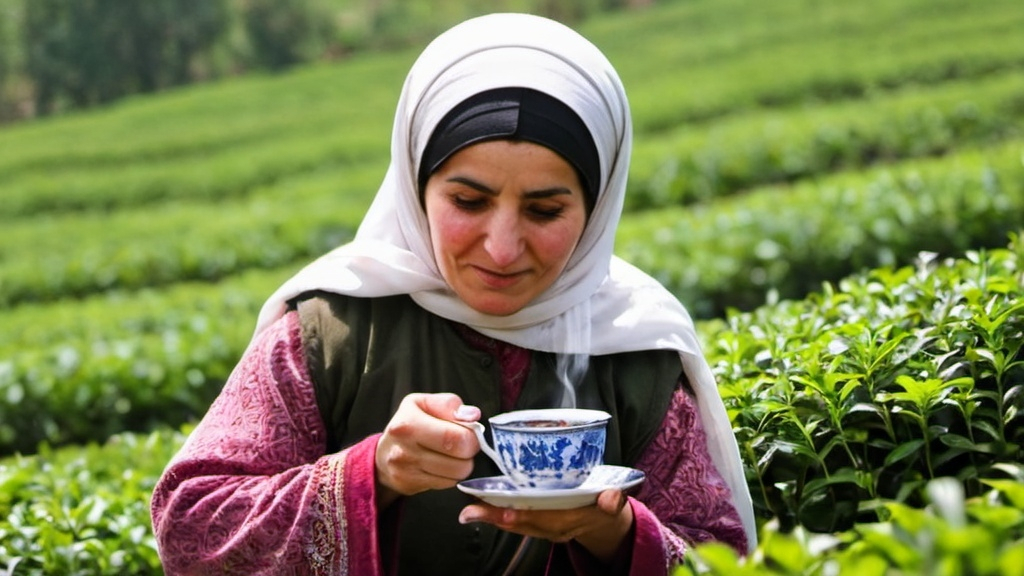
517, 114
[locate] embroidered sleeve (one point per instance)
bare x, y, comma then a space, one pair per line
684, 499
251, 491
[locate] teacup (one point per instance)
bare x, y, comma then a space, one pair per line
550, 449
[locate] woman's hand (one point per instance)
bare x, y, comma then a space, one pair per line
422, 449
599, 528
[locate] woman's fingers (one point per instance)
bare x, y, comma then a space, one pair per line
426, 420
554, 525
421, 449
413, 469
603, 523
611, 501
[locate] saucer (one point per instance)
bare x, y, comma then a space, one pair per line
499, 491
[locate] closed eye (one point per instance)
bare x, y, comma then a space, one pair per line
544, 214
469, 204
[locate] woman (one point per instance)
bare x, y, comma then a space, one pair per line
482, 272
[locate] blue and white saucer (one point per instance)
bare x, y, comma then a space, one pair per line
499, 491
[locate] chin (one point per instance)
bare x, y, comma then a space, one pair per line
492, 308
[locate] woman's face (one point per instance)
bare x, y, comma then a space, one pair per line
504, 218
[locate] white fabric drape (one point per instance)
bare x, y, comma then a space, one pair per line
391, 253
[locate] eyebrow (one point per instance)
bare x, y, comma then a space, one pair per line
480, 187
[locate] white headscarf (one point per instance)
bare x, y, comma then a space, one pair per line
600, 304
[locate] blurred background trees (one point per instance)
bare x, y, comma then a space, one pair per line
80, 53
57, 55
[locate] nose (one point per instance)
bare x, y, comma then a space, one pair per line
505, 242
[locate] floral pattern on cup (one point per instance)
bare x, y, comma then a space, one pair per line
550, 449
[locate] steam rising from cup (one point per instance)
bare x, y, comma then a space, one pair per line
571, 366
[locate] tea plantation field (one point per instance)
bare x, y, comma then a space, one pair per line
835, 190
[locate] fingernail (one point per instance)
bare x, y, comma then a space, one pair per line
466, 412
467, 517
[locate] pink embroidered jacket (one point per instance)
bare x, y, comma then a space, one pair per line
253, 492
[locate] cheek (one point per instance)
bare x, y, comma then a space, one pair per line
556, 245
450, 232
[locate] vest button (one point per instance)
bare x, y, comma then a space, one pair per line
486, 361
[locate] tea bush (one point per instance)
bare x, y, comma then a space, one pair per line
140, 240
884, 410
699, 60
80, 371
864, 392
276, 225
981, 535
700, 162
84, 510
732, 252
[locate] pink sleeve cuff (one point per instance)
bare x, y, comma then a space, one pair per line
655, 547
649, 550
360, 503
345, 526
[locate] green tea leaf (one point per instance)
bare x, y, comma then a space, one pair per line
1013, 490
904, 450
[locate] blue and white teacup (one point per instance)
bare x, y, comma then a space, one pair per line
550, 449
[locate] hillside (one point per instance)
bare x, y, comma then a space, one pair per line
780, 147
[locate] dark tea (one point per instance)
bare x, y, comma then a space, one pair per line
543, 424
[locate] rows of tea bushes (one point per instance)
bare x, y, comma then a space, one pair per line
699, 163
80, 371
233, 164
275, 225
701, 60
204, 144
923, 365
210, 177
732, 252
299, 216
254, 131
198, 122
714, 257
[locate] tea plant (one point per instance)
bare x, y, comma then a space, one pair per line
83, 370
981, 535
735, 54
732, 252
73, 255
864, 392
83, 510
697, 163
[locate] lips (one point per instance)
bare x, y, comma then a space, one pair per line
497, 280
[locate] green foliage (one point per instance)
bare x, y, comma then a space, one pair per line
81, 54
700, 60
862, 393
65, 255
83, 370
6, 31
140, 240
328, 114
953, 535
83, 511
698, 163
283, 33
787, 240
93, 52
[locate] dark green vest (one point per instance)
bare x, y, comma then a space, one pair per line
366, 354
